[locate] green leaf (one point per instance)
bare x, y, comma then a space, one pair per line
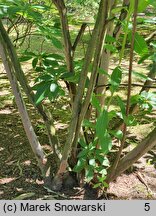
152, 2
88, 124
140, 45
105, 162
110, 47
115, 80
135, 99
89, 174
102, 124
92, 162
103, 172
55, 56
122, 106
41, 92
55, 91
140, 75
82, 143
130, 121
70, 77
144, 57
102, 71
50, 62
110, 39
105, 143
143, 5
83, 153
112, 114
56, 43
118, 9
25, 58
118, 134
80, 165
95, 102
34, 62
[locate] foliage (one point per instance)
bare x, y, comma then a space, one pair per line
60, 65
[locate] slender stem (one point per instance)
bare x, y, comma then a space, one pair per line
113, 168
96, 62
67, 44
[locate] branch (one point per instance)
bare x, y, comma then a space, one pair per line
122, 85
115, 164
142, 148
96, 63
150, 37
79, 95
122, 17
78, 38
60, 5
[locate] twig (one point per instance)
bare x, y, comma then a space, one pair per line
126, 84
78, 38
56, 193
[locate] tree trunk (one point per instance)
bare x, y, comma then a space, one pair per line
47, 118
35, 145
77, 106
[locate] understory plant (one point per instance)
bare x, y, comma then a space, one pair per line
94, 128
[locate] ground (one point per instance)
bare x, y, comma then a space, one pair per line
20, 177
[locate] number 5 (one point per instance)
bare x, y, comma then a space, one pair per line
147, 207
